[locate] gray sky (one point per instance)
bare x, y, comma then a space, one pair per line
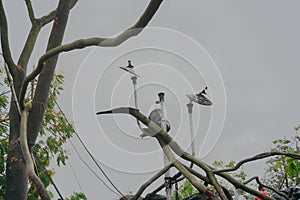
248, 48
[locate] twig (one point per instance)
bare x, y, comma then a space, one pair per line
3, 93
256, 178
257, 157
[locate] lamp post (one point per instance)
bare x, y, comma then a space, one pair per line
190, 111
163, 121
161, 96
201, 99
134, 76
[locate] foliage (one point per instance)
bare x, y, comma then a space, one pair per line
3, 133
186, 190
77, 196
54, 133
281, 170
239, 175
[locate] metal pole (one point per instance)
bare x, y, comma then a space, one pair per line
166, 161
134, 83
190, 111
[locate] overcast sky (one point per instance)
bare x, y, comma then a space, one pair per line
246, 52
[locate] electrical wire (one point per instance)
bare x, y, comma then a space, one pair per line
6, 92
46, 173
89, 153
75, 176
97, 176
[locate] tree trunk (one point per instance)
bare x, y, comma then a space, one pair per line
16, 176
16, 172
39, 103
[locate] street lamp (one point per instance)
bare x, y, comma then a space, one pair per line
158, 116
201, 99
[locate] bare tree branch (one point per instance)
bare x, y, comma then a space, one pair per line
27, 156
200, 187
29, 46
258, 157
55, 40
11, 85
150, 181
37, 25
30, 10
163, 138
50, 16
5, 42
256, 178
207, 180
95, 41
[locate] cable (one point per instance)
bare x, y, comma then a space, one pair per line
3, 93
75, 176
48, 175
99, 178
87, 150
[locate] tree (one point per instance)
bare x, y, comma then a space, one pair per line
54, 133
284, 171
26, 122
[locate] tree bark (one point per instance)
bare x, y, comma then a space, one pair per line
16, 176
39, 103
16, 173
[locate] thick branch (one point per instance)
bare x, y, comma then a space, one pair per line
5, 42
200, 187
37, 25
29, 46
55, 40
50, 16
163, 137
207, 180
95, 41
258, 157
150, 181
27, 156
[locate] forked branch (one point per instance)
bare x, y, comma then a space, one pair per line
150, 181
95, 41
